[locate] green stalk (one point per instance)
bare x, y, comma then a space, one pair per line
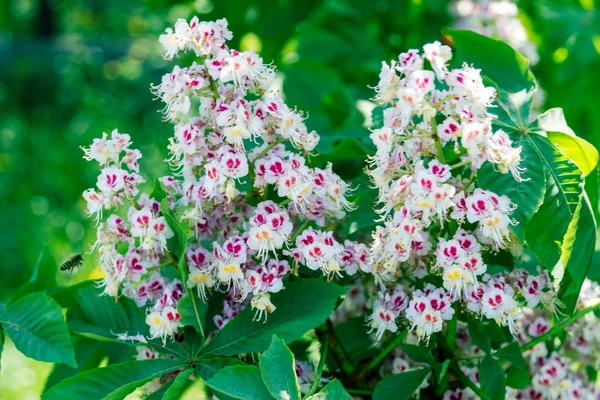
315, 384
374, 363
558, 328
461, 164
438, 142
466, 381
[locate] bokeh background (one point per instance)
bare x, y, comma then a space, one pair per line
72, 69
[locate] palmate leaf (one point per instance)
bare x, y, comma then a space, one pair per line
277, 369
528, 195
564, 190
303, 305
36, 325
113, 382
242, 382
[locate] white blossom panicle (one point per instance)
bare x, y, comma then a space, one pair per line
436, 134
240, 186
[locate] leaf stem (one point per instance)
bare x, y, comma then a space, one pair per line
442, 101
338, 352
438, 142
466, 381
461, 164
374, 363
269, 147
558, 328
315, 385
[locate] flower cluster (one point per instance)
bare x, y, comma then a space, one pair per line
435, 220
253, 205
554, 375
497, 19
131, 247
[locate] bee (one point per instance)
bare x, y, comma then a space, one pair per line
71, 264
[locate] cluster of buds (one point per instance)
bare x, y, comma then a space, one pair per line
239, 182
435, 220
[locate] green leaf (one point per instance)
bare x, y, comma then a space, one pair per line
97, 316
418, 353
497, 60
239, 382
577, 254
442, 369
554, 120
277, 369
37, 327
479, 335
178, 243
354, 337
113, 382
193, 312
517, 378
564, 189
207, 367
192, 341
65, 296
179, 385
88, 355
512, 352
577, 149
365, 216
334, 390
296, 313
492, 378
528, 195
157, 192
400, 386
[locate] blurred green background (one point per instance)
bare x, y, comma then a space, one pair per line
70, 70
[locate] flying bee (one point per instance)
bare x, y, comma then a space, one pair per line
71, 264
